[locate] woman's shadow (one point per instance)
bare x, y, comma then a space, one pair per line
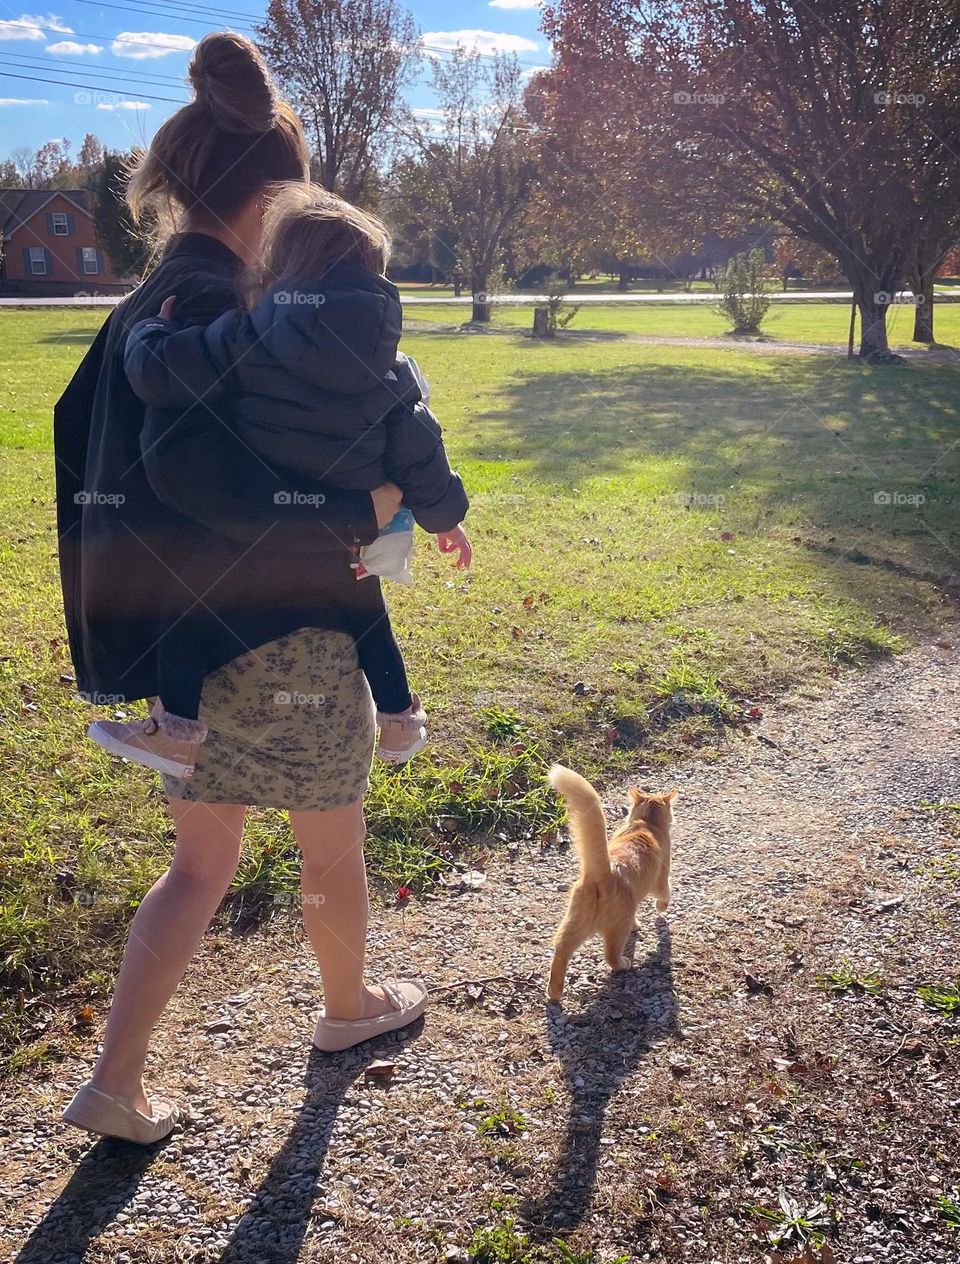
275, 1223
599, 1048
105, 1181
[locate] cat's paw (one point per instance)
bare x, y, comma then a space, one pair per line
663, 904
624, 963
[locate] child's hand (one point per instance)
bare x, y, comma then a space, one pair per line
456, 541
166, 307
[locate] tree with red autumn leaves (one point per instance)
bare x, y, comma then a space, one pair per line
616, 180
840, 117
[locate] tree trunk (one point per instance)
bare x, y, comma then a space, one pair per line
481, 299
457, 287
623, 281
872, 302
921, 282
873, 329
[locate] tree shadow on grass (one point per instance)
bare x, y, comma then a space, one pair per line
776, 420
599, 1050
809, 444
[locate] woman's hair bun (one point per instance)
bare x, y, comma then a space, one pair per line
231, 80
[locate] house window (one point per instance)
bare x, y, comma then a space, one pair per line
61, 225
38, 261
90, 261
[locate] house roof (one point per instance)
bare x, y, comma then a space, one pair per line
17, 206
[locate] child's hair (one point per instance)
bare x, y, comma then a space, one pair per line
230, 142
307, 230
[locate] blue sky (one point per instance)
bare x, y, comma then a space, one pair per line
111, 63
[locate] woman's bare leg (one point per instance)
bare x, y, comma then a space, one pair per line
164, 935
333, 886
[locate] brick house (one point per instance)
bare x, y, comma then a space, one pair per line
49, 249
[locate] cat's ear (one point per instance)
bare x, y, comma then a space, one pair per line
635, 795
671, 795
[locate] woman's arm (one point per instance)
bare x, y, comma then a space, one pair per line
196, 464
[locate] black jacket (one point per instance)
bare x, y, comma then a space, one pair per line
310, 380
169, 521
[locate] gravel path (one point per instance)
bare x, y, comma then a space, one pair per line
762, 346
649, 1118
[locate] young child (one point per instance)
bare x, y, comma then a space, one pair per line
311, 379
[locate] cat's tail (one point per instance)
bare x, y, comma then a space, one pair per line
588, 825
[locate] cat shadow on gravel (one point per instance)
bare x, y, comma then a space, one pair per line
599, 1048
275, 1223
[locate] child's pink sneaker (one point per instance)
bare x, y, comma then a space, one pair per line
173, 751
401, 736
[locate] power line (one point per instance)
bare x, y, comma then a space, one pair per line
34, 63
65, 83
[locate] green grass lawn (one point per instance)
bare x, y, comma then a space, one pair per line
666, 538
813, 322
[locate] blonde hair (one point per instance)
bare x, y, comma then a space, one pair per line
233, 139
308, 230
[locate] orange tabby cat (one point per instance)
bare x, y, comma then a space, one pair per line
614, 877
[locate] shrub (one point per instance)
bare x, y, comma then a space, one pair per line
744, 292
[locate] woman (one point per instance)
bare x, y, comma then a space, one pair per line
148, 506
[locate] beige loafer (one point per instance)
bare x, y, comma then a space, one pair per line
407, 999
111, 1116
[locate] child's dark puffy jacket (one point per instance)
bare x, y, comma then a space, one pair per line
313, 383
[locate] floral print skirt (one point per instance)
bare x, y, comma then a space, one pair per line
290, 725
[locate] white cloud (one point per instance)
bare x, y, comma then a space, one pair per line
23, 101
514, 4
32, 28
71, 48
482, 41
140, 45
123, 105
